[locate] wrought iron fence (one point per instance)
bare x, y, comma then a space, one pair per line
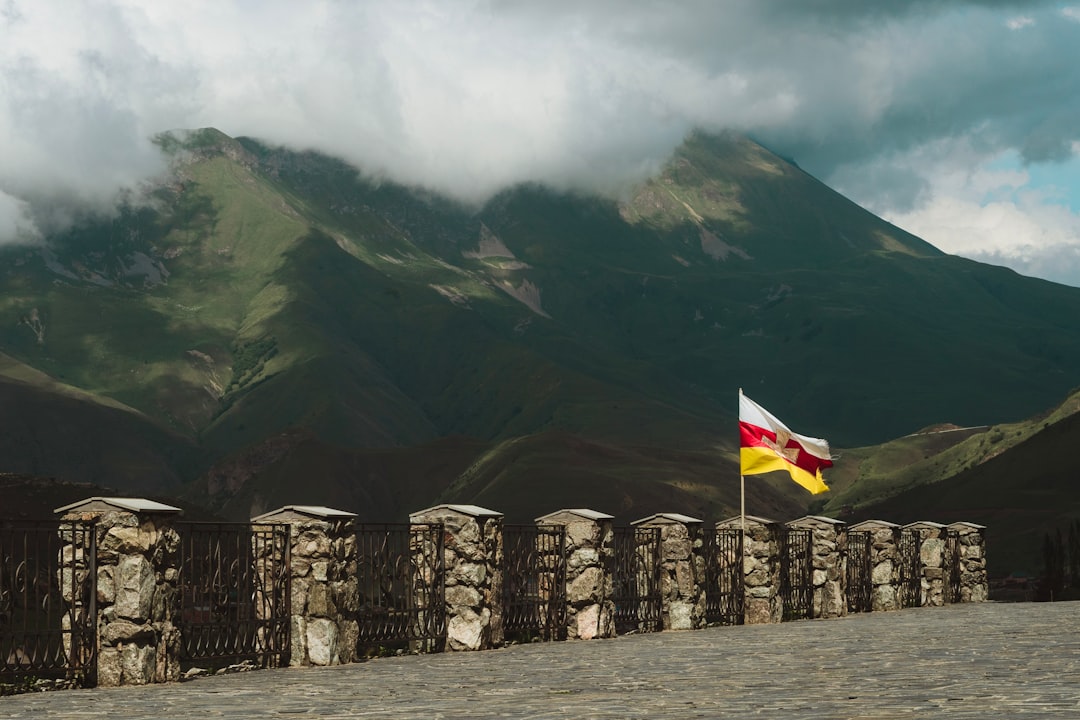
910, 568
400, 575
724, 577
796, 573
636, 580
951, 561
859, 571
534, 581
48, 602
234, 588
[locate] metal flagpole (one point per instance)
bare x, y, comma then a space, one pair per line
742, 479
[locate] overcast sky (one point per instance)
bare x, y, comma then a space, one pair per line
957, 120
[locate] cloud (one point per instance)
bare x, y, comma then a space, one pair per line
13, 220
991, 212
1019, 22
469, 96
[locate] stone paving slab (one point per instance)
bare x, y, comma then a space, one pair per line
985, 661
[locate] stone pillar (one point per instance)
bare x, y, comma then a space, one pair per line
829, 551
324, 594
590, 568
137, 570
761, 569
682, 572
473, 554
974, 586
884, 563
931, 542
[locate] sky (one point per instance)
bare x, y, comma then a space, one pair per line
958, 120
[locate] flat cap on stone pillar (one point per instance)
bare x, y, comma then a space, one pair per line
924, 525
568, 514
813, 521
964, 526
300, 513
117, 504
450, 509
872, 525
667, 519
735, 522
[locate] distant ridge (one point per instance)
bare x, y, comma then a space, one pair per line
275, 323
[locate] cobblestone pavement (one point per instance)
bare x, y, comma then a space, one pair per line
988, 661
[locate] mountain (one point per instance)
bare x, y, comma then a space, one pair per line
1018, 479
275, 327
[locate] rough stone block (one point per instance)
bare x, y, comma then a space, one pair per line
322, 640
684, 576
470, 573
932, 552
298, 640
882, 574
463, 596
124, 631
134, 588
587, 622
109, 672
320, 603
138, 663
465, 630
583, 557
680, 615
585, 586
127, 540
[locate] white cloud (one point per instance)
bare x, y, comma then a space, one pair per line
1071, 13
13, 220
987, 209
468, 96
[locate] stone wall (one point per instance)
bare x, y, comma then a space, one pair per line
590, 567
884, 563
931, 560
828, 551
472, 556
324, 594
682, 570
974, 586
761, 569
137, 573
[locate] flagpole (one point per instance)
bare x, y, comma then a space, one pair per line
742, 483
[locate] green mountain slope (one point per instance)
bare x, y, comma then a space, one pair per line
585, 348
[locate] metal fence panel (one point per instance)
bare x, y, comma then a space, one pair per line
951, 574
859, 571
636, 583
234, 593
48, 602
400, 575
534, 581
910, 569
796, 574
724, 577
